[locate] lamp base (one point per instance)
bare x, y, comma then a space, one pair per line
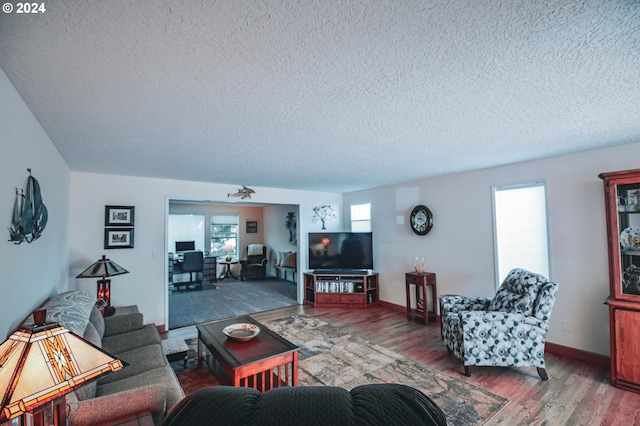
50, 414
107, 311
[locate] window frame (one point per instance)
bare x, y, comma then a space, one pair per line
362, 221
221, 252
523, 185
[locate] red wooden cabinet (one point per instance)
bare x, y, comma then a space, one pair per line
341, 290
622, 203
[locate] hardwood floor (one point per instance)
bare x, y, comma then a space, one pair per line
577, 392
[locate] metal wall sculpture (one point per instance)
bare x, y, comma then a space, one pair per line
29, 213
243, 193
291, 225
324, 214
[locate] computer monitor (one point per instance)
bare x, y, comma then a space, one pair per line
182, 246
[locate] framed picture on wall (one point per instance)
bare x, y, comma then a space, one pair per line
118, 215
252, 227
115, 238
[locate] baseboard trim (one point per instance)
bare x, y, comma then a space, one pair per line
393, 306
401, 308
553, 348
578, 354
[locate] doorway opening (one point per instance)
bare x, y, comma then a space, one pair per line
224, 231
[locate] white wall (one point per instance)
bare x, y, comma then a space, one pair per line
30, 272
459, 248
277, 235
145, 285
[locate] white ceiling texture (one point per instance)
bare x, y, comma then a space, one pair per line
327, 95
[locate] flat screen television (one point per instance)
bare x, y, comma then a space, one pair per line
182, 246
340, 251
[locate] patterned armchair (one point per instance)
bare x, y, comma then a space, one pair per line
508, 330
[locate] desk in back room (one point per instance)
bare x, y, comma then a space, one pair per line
209, 269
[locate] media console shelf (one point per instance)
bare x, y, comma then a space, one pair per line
348, 290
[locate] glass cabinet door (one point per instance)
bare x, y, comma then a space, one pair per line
622, 207
628, 212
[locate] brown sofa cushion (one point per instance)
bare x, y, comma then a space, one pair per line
290, 260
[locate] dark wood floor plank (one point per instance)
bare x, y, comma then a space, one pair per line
577, 393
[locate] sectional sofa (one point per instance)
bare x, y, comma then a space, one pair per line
367, 405
147, 384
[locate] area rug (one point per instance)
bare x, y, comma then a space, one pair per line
229, 298
329, 356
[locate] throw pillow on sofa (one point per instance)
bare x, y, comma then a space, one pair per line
290, 260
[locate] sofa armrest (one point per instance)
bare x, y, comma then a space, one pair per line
453, 303
122, 404
118, 324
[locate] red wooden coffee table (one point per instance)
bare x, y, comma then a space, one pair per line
265, 362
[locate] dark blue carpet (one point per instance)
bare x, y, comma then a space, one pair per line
231, 298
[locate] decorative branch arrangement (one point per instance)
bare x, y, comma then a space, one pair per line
324, 214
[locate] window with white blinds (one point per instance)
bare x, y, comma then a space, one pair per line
224, 230
361, 217
520, 229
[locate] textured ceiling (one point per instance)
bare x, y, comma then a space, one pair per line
325, 95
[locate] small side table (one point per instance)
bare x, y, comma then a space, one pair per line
421, 282
226, 273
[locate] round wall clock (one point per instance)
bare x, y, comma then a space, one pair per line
421, 220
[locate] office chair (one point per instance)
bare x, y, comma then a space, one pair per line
193, 262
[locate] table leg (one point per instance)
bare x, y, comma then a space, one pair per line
408, 293
425, 312
434, 298
199, 351
295, 369
228, 273
418, 299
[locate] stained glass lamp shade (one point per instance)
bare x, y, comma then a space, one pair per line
104, 268
41, 365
